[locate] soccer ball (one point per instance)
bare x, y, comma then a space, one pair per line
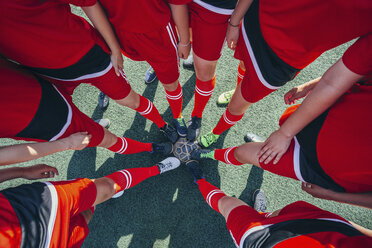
182, 149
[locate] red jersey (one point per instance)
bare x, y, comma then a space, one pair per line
45, 34
300, 31
139, 16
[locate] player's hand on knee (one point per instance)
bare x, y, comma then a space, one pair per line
274, 148
117, 62
39, 171
184, 50
232, 36
78, 141
317, 191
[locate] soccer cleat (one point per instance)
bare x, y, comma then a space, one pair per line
168, 164
251, 137
259, 200
170, 132
150, 75
198, 154
180, 126
225, 97
194, 168
103, 100
208, 139
162, 148
189, 62
193, 130
105, 123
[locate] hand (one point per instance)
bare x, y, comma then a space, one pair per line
317, 191
117, 62
232, 36
295, 93
77, 141
183, 50
39, 171
274, 147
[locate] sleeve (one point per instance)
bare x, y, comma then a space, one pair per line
358, 57
80, 3
179, 2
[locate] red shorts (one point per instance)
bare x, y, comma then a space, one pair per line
243, 218
73, 198
158, 48
289, 164
253, 89
79, 122
208, 32
106, 81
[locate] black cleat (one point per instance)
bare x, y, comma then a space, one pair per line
103, 100
193, 130
170, 132
194, 168
162, 148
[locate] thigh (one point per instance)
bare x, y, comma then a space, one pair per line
209, 32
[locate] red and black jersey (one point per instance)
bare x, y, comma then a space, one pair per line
139, 16
225, 7
284, 37
34, 108
336, 146
45, 34
301, 224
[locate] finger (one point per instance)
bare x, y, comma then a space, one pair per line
265, 155
269, 158
117, 71
263, 150
278, 157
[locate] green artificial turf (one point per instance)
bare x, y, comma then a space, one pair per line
168, 210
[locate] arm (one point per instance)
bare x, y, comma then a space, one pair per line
98, 17
359, 199
334, 83
31, 173
180, 15
232, 33
300, 91
25, 152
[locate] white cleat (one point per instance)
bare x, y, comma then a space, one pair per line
168, 164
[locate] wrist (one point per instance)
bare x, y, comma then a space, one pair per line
184, 44
65, 144
233, 25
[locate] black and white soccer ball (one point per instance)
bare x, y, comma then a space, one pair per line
182, 149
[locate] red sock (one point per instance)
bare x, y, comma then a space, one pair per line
240, 77
129, 146
175, 99
203, 91
128, 178
226, 155
210, 193
147, 109
227, 120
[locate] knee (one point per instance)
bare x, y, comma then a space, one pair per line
240, 154
241, 64
107, 188
171, 87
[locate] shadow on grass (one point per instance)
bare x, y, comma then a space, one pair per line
166, 210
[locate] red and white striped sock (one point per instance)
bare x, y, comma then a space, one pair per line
240, 76
147, 109
227, 120
210, 193
128, 178
175, 99
226, 155
129, 146
203, 92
